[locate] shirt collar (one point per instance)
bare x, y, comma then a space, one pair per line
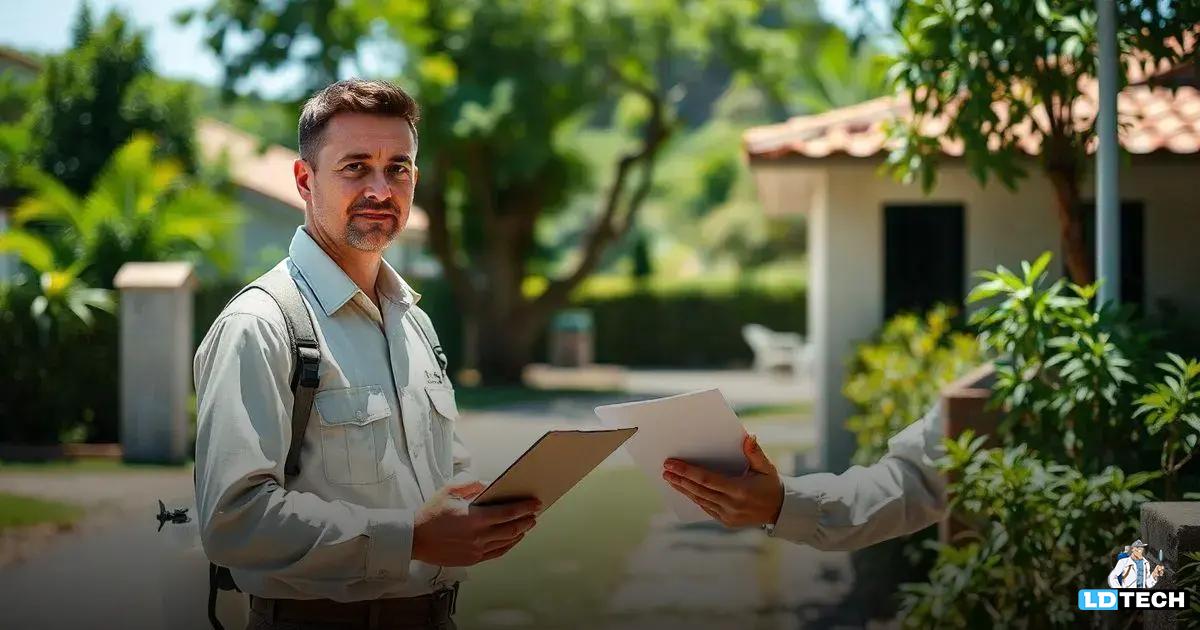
330, 284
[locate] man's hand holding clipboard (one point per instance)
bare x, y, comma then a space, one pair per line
448, 531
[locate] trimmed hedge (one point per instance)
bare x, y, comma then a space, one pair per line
665, 325
691, 328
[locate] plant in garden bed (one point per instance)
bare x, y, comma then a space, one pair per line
1057, 493
1187, 577
1066, 373
59, 355
1174, 405
1038, 530
896, 379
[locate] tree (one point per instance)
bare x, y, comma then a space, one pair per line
502, 83
141, 208
994, 67
90, 100
843, 73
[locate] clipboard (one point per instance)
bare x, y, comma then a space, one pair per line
553, 465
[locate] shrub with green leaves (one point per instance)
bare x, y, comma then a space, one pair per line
895, 379
1174, 406
1066, 372
1047, 506
1187, 577
54, 333
1036, 530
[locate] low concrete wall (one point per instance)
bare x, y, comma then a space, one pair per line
1173, 527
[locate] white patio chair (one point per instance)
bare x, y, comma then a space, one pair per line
774, 349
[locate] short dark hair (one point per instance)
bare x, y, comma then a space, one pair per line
351, 95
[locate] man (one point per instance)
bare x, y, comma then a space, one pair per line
1134, 570
372, 529
898, 495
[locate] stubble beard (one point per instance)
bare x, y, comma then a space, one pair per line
374, 238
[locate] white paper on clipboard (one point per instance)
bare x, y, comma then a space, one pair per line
698, 427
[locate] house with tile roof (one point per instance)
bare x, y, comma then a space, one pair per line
877, 247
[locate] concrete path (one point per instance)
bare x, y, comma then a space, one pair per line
702, 576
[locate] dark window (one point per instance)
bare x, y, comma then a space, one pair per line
1133, 259
923, 257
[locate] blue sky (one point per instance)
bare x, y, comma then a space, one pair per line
179, 51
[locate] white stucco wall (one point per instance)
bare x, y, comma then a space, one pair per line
846, 236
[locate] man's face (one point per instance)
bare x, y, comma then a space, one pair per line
360, 190
1136, 553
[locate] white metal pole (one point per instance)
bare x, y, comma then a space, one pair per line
1108, 206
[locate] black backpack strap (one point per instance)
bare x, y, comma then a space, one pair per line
425, 325
306, 352
280, 285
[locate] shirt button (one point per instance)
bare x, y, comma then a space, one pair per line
358, 414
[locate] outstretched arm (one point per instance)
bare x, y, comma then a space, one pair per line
900, 494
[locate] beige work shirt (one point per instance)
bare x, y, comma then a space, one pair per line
379, 443
900, 494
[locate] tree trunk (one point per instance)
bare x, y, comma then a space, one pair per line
505, 343
1080, 266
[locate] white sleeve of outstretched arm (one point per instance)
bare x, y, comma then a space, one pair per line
901, 493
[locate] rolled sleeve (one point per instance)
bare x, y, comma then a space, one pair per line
391, 534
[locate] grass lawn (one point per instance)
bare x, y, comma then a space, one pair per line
800, 409
487, 397
19, 511
563, 573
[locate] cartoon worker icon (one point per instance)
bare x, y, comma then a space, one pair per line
1133, 571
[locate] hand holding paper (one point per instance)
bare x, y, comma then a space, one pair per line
752, 499
703, 438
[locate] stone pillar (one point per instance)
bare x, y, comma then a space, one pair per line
965, 406
156, 359
1173, 527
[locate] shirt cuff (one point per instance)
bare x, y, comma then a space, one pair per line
389, 547
801, 510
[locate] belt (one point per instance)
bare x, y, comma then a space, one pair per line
434, 608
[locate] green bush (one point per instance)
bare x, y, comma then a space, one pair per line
62, 359
1053, 500
1039, 531
895, 379
59, 343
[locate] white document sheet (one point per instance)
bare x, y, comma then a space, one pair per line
698, 428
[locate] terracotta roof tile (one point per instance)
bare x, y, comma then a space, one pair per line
1153, 119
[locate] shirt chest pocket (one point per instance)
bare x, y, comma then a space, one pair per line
356, 441
443, 413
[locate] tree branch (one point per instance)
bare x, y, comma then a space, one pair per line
606, 229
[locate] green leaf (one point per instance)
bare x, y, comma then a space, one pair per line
31, 249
